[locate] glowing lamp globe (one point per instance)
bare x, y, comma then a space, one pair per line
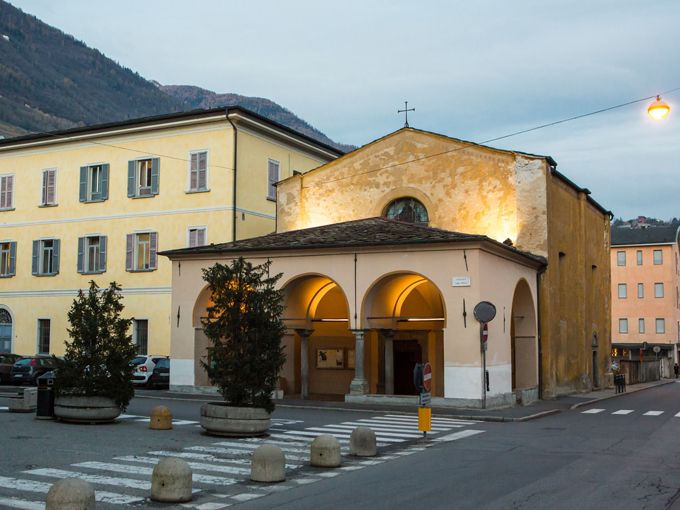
658, 109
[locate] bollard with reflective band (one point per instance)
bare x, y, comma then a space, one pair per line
424, 419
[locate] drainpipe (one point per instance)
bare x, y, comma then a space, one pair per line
538, 320
233, 228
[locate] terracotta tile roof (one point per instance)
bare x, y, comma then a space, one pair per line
652, 235
357, 233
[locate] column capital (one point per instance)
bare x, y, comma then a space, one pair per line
302, 332
359, 332
387, 333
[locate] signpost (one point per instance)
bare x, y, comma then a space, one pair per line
422, 378
484, 312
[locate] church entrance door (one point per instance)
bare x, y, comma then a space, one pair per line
406, 354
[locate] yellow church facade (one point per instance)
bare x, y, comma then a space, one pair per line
99, 203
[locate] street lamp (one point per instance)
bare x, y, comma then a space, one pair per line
658, 109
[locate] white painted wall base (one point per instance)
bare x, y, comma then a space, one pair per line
181, 372
466, 382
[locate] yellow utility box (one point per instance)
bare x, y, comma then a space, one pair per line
424, 419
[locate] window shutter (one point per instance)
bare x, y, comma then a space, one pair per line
193, 173
36, 258
102, 253
105, 182
200, 237
155, 175
81, 255
51, 187
153, 248
55, 257
192, 238
202, 170
83, 184
10, 191
272, 178
129, 255
44, 187
131, 178
3, 192
12, 258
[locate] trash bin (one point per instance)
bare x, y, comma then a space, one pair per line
45, 409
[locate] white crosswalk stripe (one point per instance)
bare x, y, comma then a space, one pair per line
592, 411
653, 413
33, 486
21, 503
623, 411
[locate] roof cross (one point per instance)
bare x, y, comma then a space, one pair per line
405, 111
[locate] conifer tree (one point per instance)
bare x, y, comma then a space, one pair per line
245, 328
98, 357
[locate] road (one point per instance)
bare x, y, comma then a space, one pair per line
623, 453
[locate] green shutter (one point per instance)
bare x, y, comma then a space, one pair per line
102, 254
55, 257
155, 175
81, 255
83, 184
36, 258
105, 182
131, 178
12, 258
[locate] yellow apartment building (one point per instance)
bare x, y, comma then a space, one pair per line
98, 203
645, 293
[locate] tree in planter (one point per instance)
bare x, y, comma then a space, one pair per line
245, 327
98, 359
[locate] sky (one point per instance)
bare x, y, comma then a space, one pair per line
472, 70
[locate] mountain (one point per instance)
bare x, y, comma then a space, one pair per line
50, 81
197, 97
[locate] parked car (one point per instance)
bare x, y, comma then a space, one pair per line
144, 365
6, 363
27, 370
160, 378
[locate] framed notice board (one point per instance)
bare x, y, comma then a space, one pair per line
330, 358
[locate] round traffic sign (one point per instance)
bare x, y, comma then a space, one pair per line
484, 311
427, 377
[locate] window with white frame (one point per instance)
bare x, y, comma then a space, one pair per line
639, 257
658, 290
6, 192
197, 236
623, 291
48, 194
273, 176
94, 183
621, 258
623, 325
141, 335
92, 254
641, 325
141, 251
198, 171
660, 325
143, 177
8, 257
46, 257
658, 257
641, 290
43, 336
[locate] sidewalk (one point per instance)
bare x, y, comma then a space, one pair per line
533, 411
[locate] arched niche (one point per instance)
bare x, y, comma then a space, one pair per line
524, 342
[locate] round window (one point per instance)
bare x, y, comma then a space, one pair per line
407, 209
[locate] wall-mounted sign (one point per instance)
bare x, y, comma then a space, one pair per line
351, 358
330, 358
460, 281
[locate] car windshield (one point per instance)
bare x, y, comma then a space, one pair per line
139, 361
22, 362
164, 363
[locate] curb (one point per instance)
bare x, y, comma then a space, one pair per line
595, 401
380, 411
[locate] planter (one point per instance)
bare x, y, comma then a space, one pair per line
222, 420
86, 409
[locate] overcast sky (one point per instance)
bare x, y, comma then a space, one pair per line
473, 70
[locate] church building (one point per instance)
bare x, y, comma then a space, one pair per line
386, 251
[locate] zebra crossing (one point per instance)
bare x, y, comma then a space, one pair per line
626, 412
221, 468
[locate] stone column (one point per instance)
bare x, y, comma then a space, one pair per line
304, 361
359, 385
389, 361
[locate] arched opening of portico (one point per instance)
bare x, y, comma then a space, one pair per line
404, 315
319, 347
524, 344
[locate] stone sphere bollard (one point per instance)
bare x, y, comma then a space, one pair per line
161, 418
268, 464
171, 481
325, 452
362, 442
70, 494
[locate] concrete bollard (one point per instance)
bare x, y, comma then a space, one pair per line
70, 494
161, 418
362, 442
325, 452
171, 481
268, 464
